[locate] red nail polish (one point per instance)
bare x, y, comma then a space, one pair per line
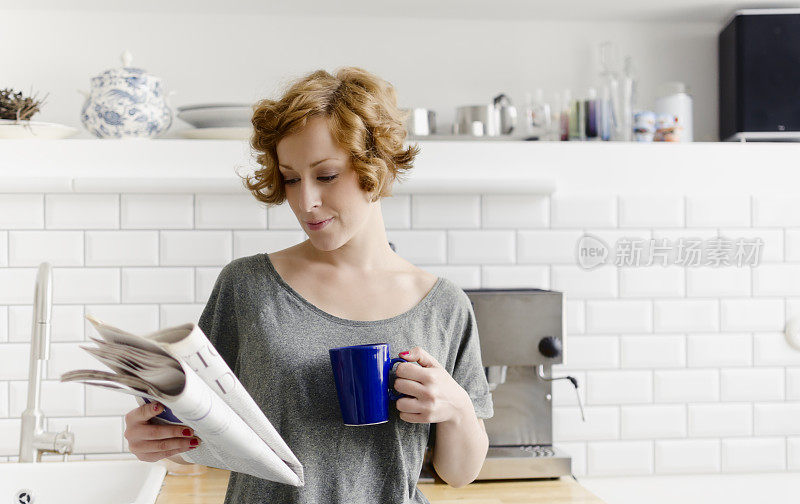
193, 442
187, 432
155, 407
403, 353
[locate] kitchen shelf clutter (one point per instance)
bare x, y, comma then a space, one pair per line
510, 167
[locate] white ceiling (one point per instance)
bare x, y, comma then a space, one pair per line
713, 11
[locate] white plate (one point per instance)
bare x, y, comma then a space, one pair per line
234, 133
216, 115
211, 105
35, 129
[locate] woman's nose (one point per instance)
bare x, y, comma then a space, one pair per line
309, 196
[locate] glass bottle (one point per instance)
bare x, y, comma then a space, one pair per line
537, 114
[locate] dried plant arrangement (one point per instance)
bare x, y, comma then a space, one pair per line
15, 106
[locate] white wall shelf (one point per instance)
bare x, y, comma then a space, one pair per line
203, 166
189, 166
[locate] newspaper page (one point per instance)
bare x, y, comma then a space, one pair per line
179, 367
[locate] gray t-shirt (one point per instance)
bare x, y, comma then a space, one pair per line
277, 342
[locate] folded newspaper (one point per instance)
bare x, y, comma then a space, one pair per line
180, 368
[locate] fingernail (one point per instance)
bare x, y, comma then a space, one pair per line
192, 447
403, 353
187, 432
193, 442
155, 407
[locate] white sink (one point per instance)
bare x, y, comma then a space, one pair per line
81, 482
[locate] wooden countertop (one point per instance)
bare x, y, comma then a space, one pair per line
209, 488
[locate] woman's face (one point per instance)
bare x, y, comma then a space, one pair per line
321, 185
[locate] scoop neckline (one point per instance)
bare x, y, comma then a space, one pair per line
288, 288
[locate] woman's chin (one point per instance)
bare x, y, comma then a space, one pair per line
325, 244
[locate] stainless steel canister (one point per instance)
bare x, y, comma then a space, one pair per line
421, 121
477, 120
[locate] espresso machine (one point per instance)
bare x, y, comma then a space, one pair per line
521, 333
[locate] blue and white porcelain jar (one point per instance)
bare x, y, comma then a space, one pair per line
126, 102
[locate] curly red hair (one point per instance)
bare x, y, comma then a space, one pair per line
363, 118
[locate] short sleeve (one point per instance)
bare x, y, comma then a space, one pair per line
468, 370
218, 320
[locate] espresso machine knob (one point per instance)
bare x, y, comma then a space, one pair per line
550, 346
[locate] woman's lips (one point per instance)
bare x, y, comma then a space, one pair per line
320, 225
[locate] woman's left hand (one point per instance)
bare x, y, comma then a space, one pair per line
436, 396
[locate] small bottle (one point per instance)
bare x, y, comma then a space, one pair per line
554, 130
628, 103
592, 126
644, 126
667, 128
577, 120
564, 115
604, 117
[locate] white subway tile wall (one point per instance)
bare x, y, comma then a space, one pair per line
606, 458
681, 369
687, 456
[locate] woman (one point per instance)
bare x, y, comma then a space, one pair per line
332, 146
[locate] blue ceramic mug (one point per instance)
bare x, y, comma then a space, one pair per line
362, 377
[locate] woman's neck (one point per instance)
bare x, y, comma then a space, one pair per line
366, 251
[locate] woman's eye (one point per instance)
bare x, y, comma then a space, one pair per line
324, 179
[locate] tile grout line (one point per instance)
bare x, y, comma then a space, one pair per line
751, 333
685, 226
786, 453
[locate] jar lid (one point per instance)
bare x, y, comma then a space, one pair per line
126, 70
671, 88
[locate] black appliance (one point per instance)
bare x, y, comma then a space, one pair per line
759, 76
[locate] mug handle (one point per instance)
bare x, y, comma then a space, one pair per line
392, 395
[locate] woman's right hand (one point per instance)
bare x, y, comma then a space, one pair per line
153, 442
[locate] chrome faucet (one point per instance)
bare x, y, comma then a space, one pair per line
33, 439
